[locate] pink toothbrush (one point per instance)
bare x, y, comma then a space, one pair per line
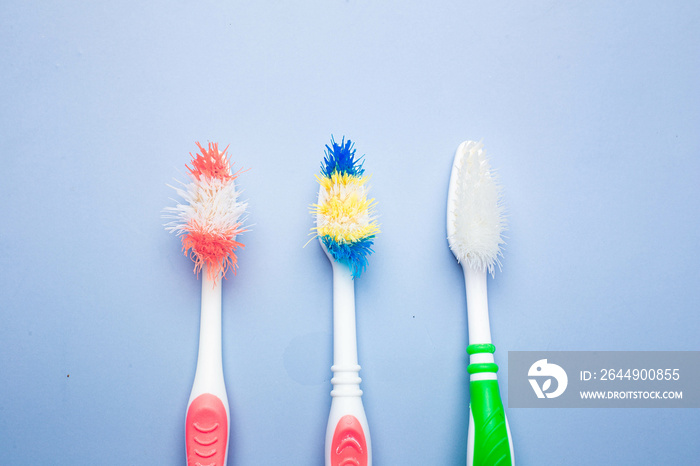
208, 224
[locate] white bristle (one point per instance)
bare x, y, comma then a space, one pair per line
477, 211
210, 203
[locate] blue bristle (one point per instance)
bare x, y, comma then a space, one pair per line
341, 158
354, 255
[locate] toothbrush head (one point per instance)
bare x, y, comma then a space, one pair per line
345, 219
475, 212
210, 219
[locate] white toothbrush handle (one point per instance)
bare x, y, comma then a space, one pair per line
207, 424
347, 435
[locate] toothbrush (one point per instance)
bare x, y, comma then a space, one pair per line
346, 227
475, 222
208, 224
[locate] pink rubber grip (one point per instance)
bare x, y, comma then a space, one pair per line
349, 447
206, 432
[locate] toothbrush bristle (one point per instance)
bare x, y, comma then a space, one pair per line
341, 158
210, 219
478, 212
211, 163
345, 219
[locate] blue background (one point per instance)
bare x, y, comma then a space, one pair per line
590, 112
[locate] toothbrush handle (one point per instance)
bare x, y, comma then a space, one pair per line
207, 422
206, 431
489, 442
347, 435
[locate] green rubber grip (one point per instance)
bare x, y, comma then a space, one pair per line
481, 348
491, 444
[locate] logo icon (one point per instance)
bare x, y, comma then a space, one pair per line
542, 369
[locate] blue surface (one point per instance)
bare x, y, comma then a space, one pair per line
590, 112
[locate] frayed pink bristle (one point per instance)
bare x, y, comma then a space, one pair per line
211, 163
215, 249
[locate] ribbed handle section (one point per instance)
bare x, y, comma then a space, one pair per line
349, 447
206, 431
346, 380
491, 444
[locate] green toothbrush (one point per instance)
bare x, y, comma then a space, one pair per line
475, 221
